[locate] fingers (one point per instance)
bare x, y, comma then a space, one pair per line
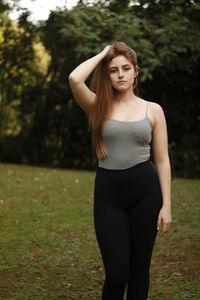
158, 223
165, 228
164, 221
106, 49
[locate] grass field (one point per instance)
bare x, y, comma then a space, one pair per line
48, 247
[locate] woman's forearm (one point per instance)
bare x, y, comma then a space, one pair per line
164, 173
81, 73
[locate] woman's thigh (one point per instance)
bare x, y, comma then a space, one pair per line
143, 223
112, 231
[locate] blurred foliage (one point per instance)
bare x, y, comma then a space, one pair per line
42, 124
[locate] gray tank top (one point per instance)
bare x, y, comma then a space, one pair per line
127, 143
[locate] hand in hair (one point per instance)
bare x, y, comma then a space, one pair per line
106, 49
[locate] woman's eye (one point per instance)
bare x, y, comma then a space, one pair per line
126, 69
112, 71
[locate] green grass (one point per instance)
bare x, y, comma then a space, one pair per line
48, 247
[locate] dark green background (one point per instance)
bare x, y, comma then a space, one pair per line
41, 124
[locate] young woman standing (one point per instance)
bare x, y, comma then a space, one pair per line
132, 199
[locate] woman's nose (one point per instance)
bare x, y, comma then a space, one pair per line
121, 74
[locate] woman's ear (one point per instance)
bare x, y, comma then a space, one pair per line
136, 71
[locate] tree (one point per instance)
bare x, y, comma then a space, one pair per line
166, 38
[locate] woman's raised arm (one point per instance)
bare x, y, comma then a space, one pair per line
82, 94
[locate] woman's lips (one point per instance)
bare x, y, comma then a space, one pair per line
121, 81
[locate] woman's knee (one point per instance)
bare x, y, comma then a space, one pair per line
118, 277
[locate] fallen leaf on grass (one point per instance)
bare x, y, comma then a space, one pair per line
35, 254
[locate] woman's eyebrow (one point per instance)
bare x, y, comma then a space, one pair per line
115, 67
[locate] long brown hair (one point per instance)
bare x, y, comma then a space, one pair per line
101, 85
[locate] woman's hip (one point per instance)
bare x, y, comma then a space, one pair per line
134, 176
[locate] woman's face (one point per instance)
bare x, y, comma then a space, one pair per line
122, 73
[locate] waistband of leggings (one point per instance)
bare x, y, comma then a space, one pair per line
134, 167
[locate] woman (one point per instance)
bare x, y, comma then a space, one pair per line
132, 199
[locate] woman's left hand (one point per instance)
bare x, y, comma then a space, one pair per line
164, 220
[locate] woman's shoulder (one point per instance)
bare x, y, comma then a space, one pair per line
155, 108
156, 114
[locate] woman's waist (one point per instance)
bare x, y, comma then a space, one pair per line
117, 177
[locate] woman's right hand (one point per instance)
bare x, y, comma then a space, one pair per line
106, 49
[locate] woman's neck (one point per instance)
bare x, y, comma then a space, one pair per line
125, 96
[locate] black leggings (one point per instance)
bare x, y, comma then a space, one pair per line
126, 207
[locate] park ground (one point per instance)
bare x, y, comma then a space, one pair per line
48, 247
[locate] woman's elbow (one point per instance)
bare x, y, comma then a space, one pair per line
72, 78
161, 159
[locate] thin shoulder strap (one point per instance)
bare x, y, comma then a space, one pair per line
147, 106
